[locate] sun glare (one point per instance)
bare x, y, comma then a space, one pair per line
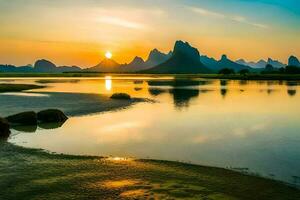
108, 55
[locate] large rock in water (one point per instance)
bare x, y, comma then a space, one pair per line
51, 115
293, 61
4, 128
24, 118
44, 66
185, 59
123, 96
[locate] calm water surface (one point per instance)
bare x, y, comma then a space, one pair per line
252, 126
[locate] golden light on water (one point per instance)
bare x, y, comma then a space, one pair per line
108, 83
108, 55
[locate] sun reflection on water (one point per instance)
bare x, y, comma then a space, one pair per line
119, 159
108, 83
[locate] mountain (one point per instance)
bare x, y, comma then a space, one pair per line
44, 66
14, 69
209, 62
106, 65
68, 69
156, 57
184, 59
135, 65
293, 61
261, 63
224, 62
275, 63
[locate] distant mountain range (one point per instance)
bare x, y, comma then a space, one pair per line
224, 62
40, 66
261, 63
183, 59
137, 64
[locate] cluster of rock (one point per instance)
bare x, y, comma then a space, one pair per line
30, 118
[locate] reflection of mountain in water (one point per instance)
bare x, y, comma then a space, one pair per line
292, 92
223, 86
291, 88
182, 97
177, 82
156, 91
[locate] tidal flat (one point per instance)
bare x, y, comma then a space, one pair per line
35, 174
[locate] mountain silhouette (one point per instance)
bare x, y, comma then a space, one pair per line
224, 62
209, 62
156, 57
40, 66
259, 64
44, 66
135, 65
68, 69
184, 59
293, 61
262, 63
106, 65
14, 69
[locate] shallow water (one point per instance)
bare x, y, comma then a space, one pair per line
251, 126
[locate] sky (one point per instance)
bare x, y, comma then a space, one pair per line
79, 32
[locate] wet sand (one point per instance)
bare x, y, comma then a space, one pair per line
35, 174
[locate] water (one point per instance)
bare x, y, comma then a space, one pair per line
251, 126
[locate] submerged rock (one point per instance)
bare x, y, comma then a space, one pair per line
51, 115
4, 128
24, 118
120, 96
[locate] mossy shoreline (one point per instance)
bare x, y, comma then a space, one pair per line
35, 174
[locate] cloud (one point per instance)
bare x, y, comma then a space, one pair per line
217, 15
205, 12
121, 22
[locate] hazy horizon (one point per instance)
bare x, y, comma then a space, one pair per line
80, 32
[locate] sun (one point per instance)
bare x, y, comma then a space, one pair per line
108, 55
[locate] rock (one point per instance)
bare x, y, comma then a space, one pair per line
24, 118
120, 96
51, 115
4, 128
293, 61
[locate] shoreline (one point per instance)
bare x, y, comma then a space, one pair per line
279, 77
84, 177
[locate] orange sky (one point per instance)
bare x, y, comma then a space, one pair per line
80, 33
